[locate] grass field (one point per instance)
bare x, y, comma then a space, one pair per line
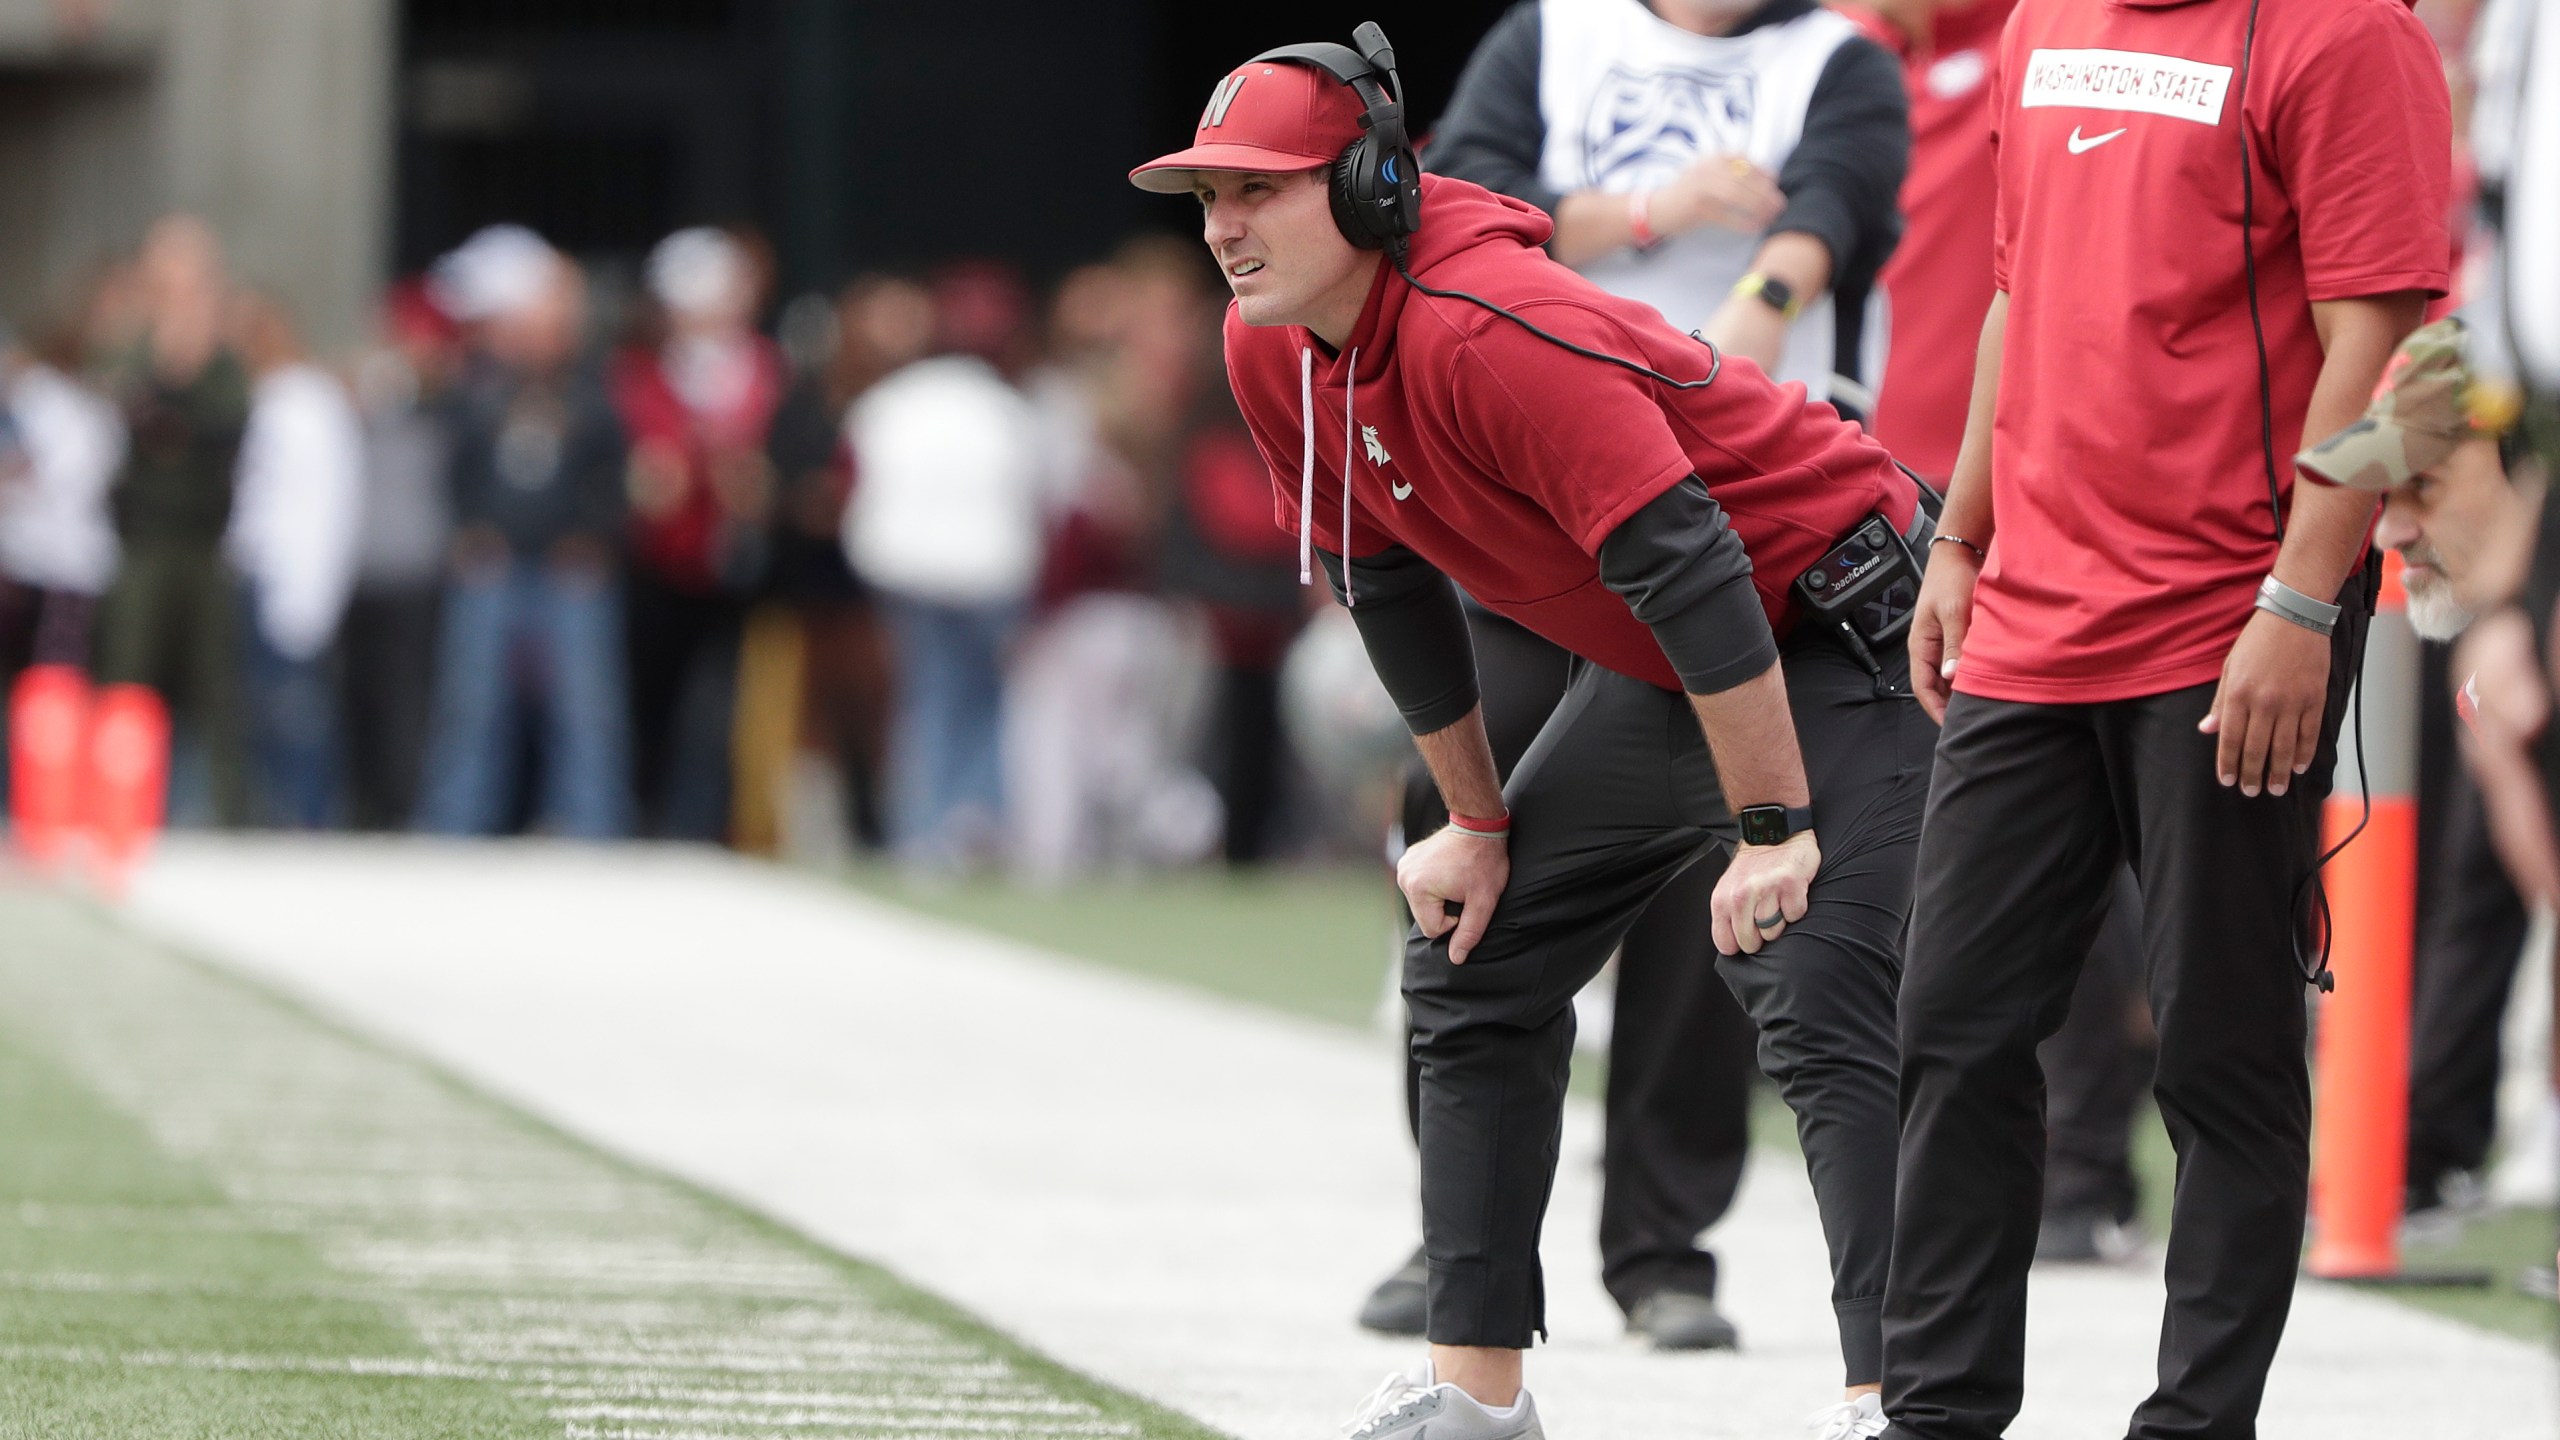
1316, 942
222, 1217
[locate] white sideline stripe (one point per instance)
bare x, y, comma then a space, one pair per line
1178, 1195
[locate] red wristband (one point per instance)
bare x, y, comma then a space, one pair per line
1479, 825
1640, 219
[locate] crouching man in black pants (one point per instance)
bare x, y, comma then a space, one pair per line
1481, 415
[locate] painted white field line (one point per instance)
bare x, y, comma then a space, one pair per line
601, 1311
1179, 1195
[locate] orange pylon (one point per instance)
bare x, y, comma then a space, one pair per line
128, 780
48, 720
2360, 1125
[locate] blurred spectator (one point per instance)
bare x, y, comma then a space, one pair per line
1223, 552
169, 618
388, 660
63, 446
698, 404
293, 537
877, 326
1096, 744
945, 525
1726, 161
531, 606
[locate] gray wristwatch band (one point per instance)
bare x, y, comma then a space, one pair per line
2287, 603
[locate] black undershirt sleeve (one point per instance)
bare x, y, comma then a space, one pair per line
1684, 573
1843, 177
1493, 131
1415, 631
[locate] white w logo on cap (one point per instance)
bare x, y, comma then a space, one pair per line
1219, 100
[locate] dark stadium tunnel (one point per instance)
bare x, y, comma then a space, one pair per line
855, 136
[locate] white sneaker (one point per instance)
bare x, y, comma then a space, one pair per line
1859, 1419
1412, 1407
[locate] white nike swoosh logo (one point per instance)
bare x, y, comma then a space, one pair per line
2083, 147
1399, 489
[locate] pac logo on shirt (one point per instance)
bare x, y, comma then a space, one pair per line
1645, 127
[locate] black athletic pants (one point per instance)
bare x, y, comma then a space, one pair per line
2031, 810
1680, 1049
388, 687
2470, 940
2097, 1068
1614, 799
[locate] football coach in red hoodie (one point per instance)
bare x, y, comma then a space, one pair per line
1442, 405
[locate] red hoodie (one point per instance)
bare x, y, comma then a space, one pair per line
1505, 461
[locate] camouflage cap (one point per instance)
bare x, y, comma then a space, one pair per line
2421, 412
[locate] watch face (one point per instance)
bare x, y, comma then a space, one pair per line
1764, 825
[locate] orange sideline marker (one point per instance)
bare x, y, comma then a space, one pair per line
128, 786
2360, 1121
48, 718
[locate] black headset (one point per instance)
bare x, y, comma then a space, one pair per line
1377, 179
1376, 184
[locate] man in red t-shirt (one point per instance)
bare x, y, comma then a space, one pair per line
1460, 410
2215, 220
2097, 1067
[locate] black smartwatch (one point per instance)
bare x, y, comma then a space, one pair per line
1771, 291
1774, 824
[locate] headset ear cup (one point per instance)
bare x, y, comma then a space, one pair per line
1354, 183
1405, 216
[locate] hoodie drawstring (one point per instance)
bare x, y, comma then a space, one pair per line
1307, 467
1350, 386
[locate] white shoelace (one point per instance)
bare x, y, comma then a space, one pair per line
1846, 1421
1385, 1403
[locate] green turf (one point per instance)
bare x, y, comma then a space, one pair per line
1314, 942
114, 1258
221, 1217
2503, 1245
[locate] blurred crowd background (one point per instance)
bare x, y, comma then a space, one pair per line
939, 562
769, 422
620, 420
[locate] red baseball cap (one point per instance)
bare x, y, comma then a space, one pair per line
1270, 116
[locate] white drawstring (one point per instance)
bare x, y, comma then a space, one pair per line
1350, 384
1307, 466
